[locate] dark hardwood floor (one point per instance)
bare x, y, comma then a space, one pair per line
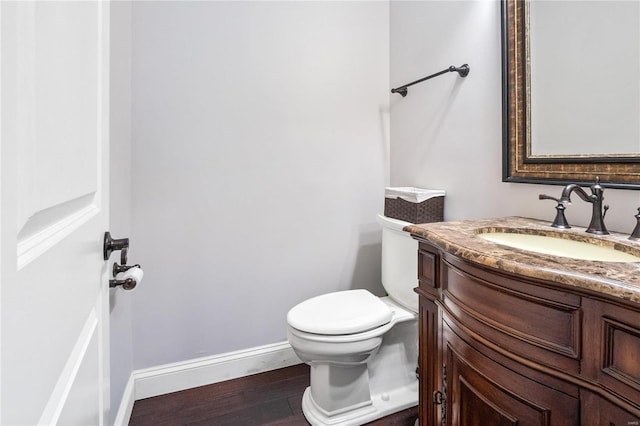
271, 398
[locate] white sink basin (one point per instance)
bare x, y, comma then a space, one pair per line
559, 247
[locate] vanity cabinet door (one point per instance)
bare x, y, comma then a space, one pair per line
483, 392
430, 355
613, 360
429, 361
597, 411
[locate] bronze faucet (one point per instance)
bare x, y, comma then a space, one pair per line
597, 217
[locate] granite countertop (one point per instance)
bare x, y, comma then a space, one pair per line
614, 279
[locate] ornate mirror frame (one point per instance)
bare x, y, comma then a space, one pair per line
517, 164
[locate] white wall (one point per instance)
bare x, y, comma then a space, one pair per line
120, 193
260, 154
447, 132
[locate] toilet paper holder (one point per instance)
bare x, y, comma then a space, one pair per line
122, 268
122, 244
128, 283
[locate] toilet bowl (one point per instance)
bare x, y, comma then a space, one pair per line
362, 349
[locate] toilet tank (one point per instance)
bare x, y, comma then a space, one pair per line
399, 262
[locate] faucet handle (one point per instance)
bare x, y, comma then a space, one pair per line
548, 197
635, 235
560, 221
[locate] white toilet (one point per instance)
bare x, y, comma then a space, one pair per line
362, 349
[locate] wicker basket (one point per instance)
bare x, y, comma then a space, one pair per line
431, 210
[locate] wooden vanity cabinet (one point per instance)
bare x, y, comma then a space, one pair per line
498, 349
430, 326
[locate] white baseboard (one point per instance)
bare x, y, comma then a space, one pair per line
126, 404
179, 376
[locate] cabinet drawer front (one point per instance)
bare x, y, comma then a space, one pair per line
427, 269
513, 315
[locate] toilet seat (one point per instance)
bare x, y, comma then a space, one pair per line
340, 313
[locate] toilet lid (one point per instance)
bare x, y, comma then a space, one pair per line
342, 312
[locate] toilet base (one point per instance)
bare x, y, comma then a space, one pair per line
352, 395
382, 405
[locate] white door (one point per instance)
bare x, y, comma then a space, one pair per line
54, 333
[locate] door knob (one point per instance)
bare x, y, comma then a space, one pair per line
110, 245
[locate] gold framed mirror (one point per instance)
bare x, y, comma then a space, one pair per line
619, 169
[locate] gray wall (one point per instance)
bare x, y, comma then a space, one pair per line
260, 152
261, 149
